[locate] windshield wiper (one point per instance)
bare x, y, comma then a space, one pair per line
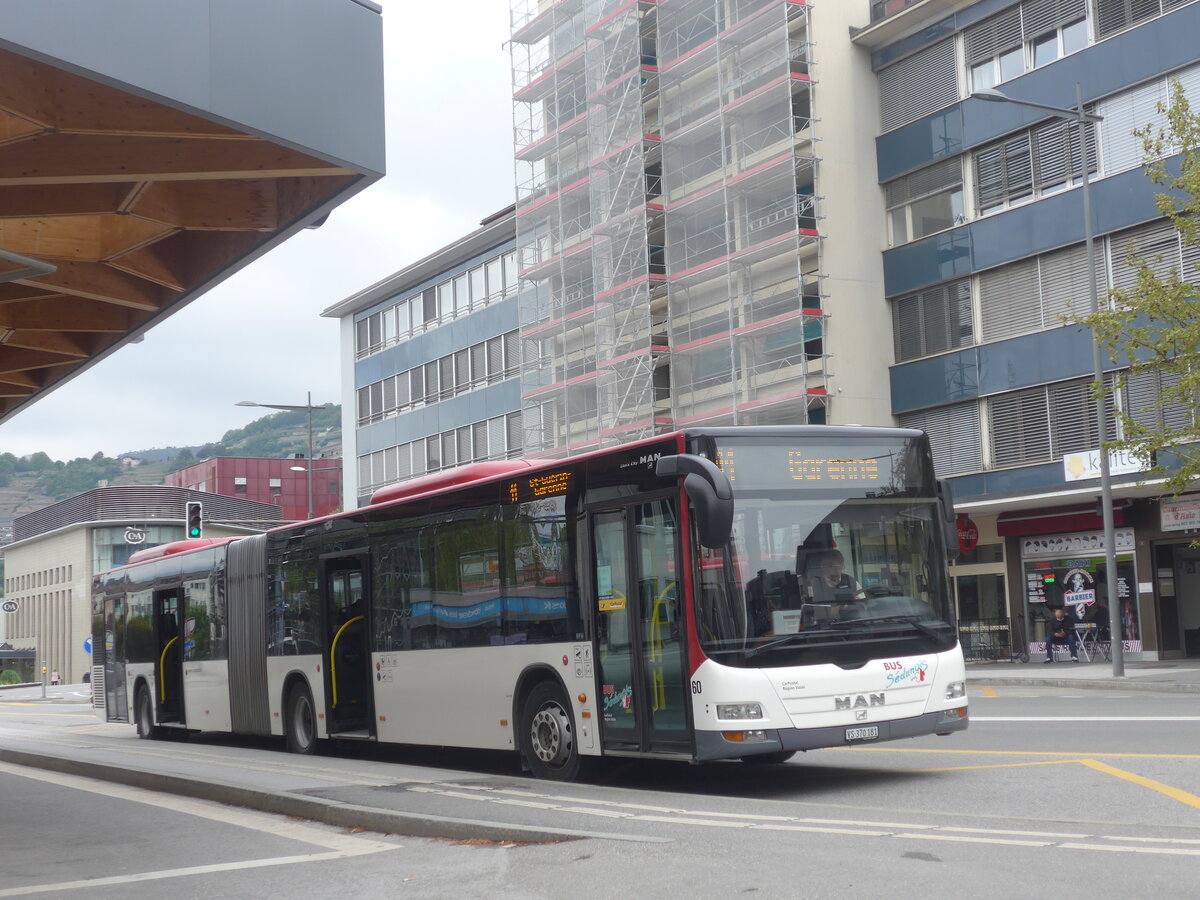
911, 619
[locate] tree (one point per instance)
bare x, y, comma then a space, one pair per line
1154, 327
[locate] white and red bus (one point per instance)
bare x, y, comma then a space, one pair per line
679, 597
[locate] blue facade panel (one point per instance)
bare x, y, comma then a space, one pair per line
1149, 51
1056, 221
1039, 358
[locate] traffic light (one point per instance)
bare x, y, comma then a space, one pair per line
194, 518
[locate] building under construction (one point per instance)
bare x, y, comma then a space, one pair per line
678, 263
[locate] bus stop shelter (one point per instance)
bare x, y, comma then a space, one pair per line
148, 150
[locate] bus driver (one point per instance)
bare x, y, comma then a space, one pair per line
827, 578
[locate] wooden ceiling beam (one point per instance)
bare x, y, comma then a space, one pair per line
23, 293
245, 205
164, 263
19, 380
53, 342
100, 282
68, 314
72, 158
47, 200
17, 359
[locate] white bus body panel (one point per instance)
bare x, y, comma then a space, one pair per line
464, 697
827, 696
135, 672
206, 695
309, 666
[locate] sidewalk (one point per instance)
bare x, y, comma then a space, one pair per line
1176, 675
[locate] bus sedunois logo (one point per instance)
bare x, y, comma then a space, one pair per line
859, 702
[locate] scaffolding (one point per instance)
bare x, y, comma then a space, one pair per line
667, 218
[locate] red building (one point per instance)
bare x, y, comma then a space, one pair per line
280, 482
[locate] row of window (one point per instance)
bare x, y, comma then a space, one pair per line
1023, 37
46, 617
497, 438
1034, 294
480, 364
1030, 164
35, 580
1037, 424
488, 282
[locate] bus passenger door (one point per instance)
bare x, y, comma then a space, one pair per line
116, 703
348, 679
168, 665
639, 629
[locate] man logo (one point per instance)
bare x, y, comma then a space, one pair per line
860, 702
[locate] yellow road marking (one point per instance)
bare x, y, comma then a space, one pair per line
1076, 754
988, 692
1174, 793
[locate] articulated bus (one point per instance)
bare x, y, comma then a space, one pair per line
715, 593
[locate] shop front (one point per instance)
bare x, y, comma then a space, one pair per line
1177, 575
1069, 570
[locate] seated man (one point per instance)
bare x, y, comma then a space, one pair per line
827, 579
1061, 630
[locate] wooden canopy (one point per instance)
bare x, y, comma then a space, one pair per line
137, 207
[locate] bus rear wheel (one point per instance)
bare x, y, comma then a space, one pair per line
548, 735
143, 711
301, 721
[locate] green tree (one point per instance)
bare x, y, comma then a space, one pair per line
1153, 327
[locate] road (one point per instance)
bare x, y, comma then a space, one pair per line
1051, 792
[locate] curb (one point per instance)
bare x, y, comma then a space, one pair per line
1114, 684
317, 809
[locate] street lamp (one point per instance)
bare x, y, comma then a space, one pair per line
307, 407
1080, 117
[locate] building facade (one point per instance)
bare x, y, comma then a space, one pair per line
49, 566
690, 223
986, 271
278, 482
430, 361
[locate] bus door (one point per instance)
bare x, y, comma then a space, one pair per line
348, 680
116, 703
168, 663
639, 629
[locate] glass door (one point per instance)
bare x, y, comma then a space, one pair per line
639, 632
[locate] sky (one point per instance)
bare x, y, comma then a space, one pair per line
260, 333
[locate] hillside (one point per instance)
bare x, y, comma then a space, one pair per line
36, 481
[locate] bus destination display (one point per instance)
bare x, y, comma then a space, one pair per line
803, 467
537, 486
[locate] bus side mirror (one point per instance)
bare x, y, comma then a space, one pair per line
949, 519
710, 492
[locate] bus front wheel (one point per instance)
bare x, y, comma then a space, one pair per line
548, 735
301, 721
144, 715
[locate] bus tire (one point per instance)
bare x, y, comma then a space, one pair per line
143, 711
548, 734
769, 759
301, 721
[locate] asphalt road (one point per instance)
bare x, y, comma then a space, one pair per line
1051, 792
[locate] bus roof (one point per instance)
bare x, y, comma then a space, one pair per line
177, 547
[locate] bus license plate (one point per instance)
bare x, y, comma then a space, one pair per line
868, 733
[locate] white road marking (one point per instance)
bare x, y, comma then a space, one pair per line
638, 812
92, 883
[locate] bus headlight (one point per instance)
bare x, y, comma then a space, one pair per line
739, 711
956, 689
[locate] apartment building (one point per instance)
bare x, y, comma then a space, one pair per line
430, 360
986, 269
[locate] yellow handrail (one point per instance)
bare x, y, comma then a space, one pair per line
162, 670
333, 655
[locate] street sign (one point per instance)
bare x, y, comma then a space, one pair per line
87, 644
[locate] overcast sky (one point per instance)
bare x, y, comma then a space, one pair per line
449, 165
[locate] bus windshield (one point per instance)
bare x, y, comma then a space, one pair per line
837, 556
